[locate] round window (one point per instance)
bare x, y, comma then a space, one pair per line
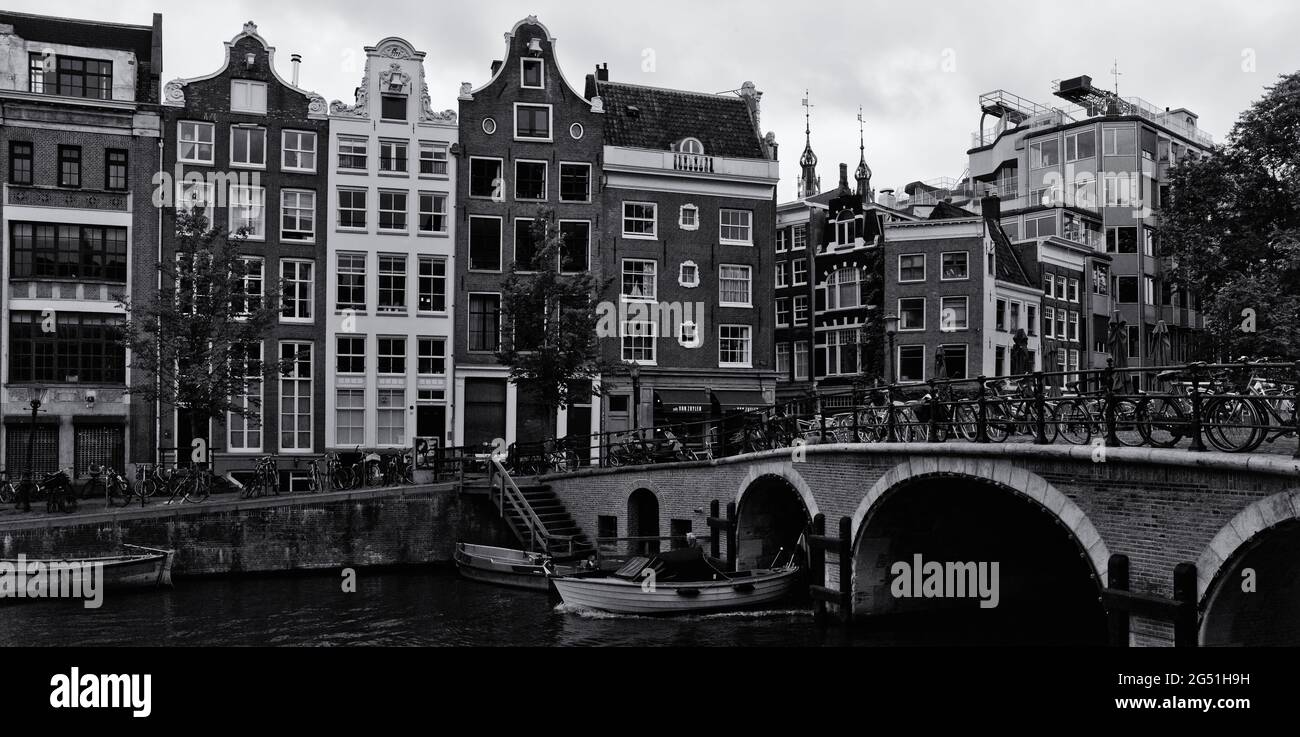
489, 126
576, 131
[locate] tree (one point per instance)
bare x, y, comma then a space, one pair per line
1232, 229
190, 344
551, 342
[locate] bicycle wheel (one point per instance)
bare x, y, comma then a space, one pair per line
997, 426
1073, 422
117, 493
1230, 424
7, 493
199, 488
1127, 423
1160, 422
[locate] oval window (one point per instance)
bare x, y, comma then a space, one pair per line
489, 126
576, 131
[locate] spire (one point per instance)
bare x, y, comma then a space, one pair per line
863, 174
809, 184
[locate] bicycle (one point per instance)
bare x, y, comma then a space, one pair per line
55, 488
340, 476
193, 485
117, 493
8, 492
151, 478
315, 477
265, 481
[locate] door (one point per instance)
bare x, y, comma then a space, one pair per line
98, 445
431, 421
485, 411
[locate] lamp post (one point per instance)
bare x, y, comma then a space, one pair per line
29, 483
891, 329
634, 371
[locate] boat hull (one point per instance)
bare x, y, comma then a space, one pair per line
501, 566
147, 570
666, 598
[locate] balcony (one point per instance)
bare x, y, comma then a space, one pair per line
649, 160
73, 199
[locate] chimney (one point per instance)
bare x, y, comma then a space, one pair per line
887, 198
602, 72
495, 66
297, 62
991, 207
844, 179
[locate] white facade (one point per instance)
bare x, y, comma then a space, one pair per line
391, 258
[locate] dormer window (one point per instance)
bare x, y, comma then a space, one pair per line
846, 228
247, 96
393, 107
691, 146
532, 74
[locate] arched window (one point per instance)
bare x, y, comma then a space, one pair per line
691, 146
847, 228
844, 289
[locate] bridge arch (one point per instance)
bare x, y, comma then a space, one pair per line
1043, 560
774, 506
1261, 539
643, 509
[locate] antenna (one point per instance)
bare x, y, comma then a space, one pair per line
862, 146
807, 110
1115, 72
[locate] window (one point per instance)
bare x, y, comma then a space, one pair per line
640, 219
688, 275
352, 208
999, 360
575, 182
782, 312
244, 433
1081, 145
194, 142
1121, 189
843, 289
433, 212
911, 313
525, 246
489, 126
735, 226
392, 283
953, 314
1061, 316
782, 240
20, 162
1014, 320
351, 286
575, 248
295, 397
350, 417
298, 151
1040, 227
734, 286
576, 131
115, 169
392, 210
247, 296
1000, 316
247, 146
800, 309
1073, 333
297, 215
1121, 239
432, 357
783, 359
846, 228
484, 243
1043, 154
1118, 142
799, 238
837, 352
533, 122
639, 340
1148, 241
782, 273
1049, 322
484, 322
82, 347
531, 74
734, 345
353, 153
1083, 192
1049, 196
801, 360
351, 354
1031, 318
530, 180
69, 166
911, 363
1073, 291
392, 355
911, 267
639, 279
485, 178
691, 146
247, 96
1100, 279
1049, 284
433, 159
248, 211
71, 76
392, 156
1149, 289
954, 360
298, 290
392, 107
956, 266
432, 287
688, 334
799, 268
391, 417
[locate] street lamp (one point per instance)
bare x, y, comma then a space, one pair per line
891, 329
634, 371
29, 484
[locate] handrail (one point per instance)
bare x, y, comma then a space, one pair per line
519, 504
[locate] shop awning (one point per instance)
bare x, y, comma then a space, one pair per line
682, 401
739, 400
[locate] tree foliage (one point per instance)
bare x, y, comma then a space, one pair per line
190, 343
1232, 229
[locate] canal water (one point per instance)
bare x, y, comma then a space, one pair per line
426, 607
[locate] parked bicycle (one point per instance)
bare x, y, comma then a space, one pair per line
265, 481
103, 479
192, 485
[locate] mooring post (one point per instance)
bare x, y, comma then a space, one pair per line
731, 536
817, 569
846, 569
1198, 416
982, 410
1117, 616
715, 540
1185, 634
1040, 410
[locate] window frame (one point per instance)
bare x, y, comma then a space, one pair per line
524, 61
286, 150
653, 220
248, 128
924, 268
285, 208
469, 241
308, 300
575, 164
251, 84
546, 176
925, 306
747, 227
211, 143
748, 331
749, 286
550, 122
653, 280
943, 267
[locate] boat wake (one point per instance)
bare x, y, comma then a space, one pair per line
586, 613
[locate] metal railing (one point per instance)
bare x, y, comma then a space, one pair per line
1229, 407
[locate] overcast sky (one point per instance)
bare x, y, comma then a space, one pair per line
917, 69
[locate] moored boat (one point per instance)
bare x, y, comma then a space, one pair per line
680, 582
506, 566
149, 568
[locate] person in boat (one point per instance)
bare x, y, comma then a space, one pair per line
688, 564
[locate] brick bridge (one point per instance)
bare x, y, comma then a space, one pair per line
1054, 517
